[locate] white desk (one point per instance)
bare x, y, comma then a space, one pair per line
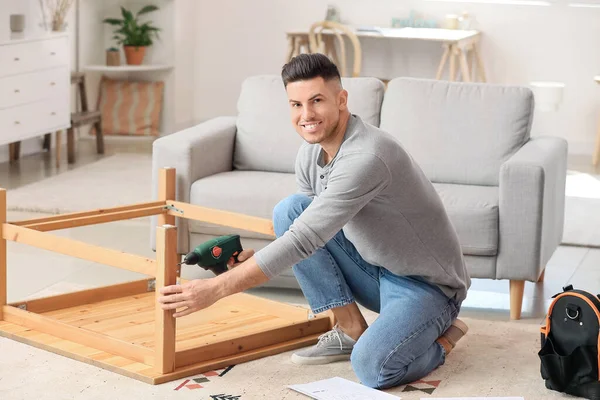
459, 47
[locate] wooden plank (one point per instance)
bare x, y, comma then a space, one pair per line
266, 306
78, 335
166, 275
166, 191
82, 297
61, 217
96, 219
220, 217
254, 341
79, 249
3, 253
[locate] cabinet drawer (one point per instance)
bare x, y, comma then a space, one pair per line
30, 87
22, 122
31, 56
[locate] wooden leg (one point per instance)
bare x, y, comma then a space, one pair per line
3, 257
597, 149
440, 71
480, 69
517, 288
542, 276
47, 141
290, 51
70, 145
14, 151
99, 138
166, 191
58, 144
166, 275
452, 76
464, 66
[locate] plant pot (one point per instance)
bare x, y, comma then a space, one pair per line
113, 58
134, 54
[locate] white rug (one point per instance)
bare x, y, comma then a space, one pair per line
496, 358
113, 181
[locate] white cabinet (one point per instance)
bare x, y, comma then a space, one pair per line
35, 82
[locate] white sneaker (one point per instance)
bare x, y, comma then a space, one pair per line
334, 345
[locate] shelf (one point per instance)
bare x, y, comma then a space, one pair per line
127, 68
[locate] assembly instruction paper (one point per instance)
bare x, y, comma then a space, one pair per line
340, 389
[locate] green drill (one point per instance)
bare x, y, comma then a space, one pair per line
213, 254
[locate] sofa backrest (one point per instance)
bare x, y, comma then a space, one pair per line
265, 138
458, 132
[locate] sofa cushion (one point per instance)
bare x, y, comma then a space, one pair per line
473, 210
266, 139
458, 132
247, 192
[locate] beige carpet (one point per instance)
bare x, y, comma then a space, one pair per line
117, 180
494, 359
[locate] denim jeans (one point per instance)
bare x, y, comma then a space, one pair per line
400, 346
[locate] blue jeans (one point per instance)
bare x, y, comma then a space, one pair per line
400, 346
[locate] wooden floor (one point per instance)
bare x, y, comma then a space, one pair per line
236, 329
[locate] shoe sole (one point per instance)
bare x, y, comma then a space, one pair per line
296, 359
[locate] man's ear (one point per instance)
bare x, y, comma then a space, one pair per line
343, 99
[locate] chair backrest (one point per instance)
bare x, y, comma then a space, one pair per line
266, 139
458, 132
322, 38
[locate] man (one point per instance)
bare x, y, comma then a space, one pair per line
366, 227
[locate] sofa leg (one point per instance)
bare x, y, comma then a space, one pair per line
516, 298
541, 278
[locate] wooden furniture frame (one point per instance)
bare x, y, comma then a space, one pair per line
122, 327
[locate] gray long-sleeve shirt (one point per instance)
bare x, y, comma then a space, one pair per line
386, 206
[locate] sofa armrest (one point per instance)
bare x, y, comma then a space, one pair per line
199, 151
531, 207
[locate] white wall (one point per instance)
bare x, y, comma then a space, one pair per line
237, 38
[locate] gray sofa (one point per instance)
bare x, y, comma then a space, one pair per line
503, 190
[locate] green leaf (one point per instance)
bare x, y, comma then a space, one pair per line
112, 21
147, 9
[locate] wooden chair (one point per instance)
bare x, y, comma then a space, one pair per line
322, 39
78, 119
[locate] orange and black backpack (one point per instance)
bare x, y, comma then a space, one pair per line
569, 347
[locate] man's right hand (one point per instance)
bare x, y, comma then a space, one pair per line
243, 256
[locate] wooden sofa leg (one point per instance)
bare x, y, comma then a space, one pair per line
541, 278
517, 288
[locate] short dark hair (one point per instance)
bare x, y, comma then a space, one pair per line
309, 66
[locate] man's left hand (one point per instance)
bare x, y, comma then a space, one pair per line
189, 297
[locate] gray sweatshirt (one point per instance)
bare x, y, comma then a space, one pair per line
386, 206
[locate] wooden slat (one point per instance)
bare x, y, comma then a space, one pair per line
100, 211
3, 253
82, 297
79, 249
220, 217
250, 342
266, 306
166, 275
166, 191
78, 335
96, 219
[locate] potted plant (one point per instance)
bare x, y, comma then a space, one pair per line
134, 35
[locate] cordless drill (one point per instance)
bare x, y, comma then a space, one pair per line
213, 254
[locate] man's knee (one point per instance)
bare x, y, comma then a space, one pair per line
371, 367
287, 210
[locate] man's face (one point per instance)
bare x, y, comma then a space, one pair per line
315, 107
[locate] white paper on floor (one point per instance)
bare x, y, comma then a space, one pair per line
340, 389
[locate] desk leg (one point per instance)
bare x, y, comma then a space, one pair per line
290, 52
480, 69
440, 71
58, 133
464, 67
597, 149
453, 56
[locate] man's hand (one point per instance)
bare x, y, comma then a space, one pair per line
189, 297
243, 256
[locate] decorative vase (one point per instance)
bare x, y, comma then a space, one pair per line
134, 54
113, 58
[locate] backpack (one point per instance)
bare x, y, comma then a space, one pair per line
569, 344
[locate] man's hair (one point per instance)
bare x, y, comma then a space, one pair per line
309, 66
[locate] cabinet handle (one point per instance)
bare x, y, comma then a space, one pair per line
52, 113
52, 83
16, 58
52, 53
17, 91
17, 122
